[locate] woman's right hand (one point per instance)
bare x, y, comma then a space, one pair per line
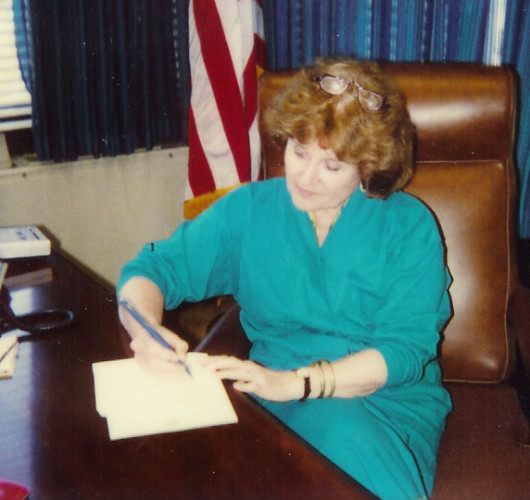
152, 354
147, 299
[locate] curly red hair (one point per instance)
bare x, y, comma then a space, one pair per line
380, 142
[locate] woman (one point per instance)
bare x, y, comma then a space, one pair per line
340, 277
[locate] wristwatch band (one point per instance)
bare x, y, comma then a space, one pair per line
304, 374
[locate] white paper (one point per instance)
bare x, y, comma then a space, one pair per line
138, 402
8, 356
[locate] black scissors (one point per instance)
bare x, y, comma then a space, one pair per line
44, 321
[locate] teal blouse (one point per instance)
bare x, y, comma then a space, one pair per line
378, 281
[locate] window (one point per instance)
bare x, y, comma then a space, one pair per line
15, 100
107, 78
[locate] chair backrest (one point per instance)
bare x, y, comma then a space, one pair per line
464, 118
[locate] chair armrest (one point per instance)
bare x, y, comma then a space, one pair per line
519, 323
227, 336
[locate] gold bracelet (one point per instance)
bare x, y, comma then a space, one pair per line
332, 373
322, 379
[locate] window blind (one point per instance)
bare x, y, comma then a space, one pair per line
15, 100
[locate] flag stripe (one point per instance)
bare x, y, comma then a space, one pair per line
223, 80
226, 45
200, 176
250, 82
208, 122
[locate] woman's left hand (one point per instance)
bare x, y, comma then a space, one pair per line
256, 379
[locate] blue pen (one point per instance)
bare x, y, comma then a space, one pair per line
149, 329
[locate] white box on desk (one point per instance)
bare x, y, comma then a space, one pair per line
23, 241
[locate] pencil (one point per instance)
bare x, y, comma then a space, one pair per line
3, 271
9, 349
150, 330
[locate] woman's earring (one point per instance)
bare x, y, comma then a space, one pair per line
362, 188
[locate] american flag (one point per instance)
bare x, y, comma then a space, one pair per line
227, 50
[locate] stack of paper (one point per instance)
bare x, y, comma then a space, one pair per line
138, 402
8, 356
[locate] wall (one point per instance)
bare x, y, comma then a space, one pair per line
100, 211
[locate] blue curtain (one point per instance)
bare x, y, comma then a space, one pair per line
488, 31
22, 40
106, 77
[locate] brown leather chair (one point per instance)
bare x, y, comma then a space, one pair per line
464, 115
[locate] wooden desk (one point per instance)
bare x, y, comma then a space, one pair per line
53, 441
